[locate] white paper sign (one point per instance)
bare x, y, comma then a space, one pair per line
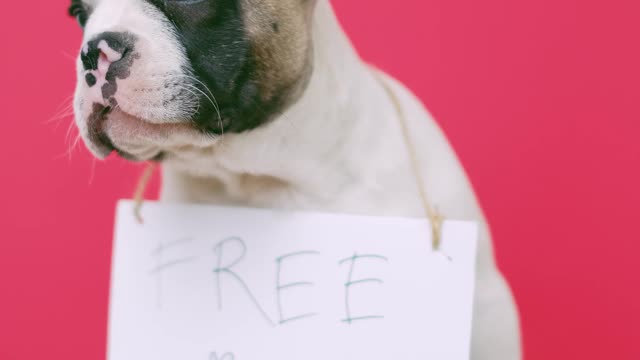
217, 283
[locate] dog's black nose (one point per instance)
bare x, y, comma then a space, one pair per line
106, 49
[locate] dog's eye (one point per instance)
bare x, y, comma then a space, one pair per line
78, 11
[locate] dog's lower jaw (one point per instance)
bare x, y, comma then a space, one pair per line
340, 149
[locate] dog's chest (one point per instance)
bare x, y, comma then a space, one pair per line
379, 193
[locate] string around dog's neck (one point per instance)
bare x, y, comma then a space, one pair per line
435, 217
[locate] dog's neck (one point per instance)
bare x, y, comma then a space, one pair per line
321, 143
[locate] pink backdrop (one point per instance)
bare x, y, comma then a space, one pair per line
540, 99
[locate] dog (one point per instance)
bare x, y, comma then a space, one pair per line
265, 103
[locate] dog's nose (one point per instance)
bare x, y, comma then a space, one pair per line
105, 49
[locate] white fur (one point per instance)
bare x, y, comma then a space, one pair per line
339, 148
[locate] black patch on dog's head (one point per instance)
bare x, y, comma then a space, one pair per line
240, 90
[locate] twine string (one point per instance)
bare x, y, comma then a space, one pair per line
432, 213
141, 187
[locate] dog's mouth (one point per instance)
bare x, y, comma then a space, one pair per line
112, 130
99, 137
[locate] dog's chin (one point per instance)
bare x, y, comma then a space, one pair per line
137, 139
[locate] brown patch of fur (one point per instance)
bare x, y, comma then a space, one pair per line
280, 35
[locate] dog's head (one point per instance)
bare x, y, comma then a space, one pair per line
158, 75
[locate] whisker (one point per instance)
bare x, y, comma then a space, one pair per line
211, 97
69, 130
68, 56
196, 103
64, 109
212, 101
93, 170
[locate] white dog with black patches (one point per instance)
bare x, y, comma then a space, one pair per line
265, 103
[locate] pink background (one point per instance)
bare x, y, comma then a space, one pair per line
539, 98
